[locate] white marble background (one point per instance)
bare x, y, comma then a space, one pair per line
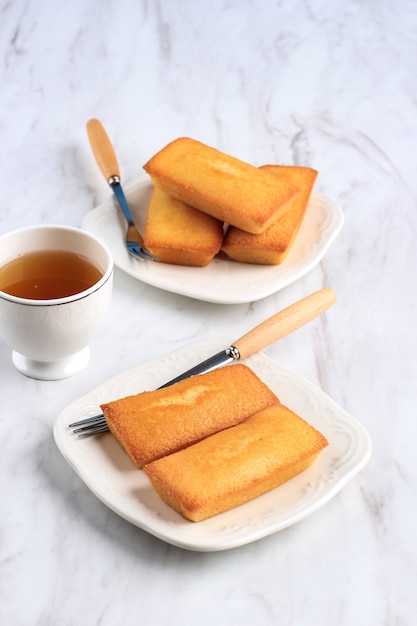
322, 83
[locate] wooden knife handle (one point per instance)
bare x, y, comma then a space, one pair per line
102, 149
285, 322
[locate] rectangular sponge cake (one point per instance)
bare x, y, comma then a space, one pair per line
272, 246
153, 424
179, 234
236, 465
220, 185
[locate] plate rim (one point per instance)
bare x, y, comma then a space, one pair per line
178, 533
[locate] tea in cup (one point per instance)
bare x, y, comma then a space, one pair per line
55, 289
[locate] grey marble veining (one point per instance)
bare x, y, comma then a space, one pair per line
326, 84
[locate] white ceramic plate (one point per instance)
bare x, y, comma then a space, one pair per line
221, 281
113, 478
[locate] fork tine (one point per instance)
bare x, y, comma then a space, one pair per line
139, 253
148, 256
87, 420
136, 250
90, 425
93, 430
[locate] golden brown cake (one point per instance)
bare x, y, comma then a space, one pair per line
152, 424
272, 246
236, 465
177, 233
220, 185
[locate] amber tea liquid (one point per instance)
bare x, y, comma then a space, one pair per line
48, 274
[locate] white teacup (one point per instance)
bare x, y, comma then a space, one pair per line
50, 337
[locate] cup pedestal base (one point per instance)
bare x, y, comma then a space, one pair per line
51, 370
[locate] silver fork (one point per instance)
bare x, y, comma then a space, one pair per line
279, 325
106, 160
98, 424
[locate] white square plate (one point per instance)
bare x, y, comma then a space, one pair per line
112, 477
222, 281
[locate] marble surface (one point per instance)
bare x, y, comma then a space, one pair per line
325, 84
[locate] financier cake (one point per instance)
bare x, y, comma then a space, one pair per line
177, 233
237, 464
272, 246
153, 424
220, 185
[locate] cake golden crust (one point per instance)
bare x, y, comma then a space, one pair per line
272, 246
179, 234
220, 185
236, 465
153, 424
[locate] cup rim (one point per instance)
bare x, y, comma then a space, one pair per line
76, 296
